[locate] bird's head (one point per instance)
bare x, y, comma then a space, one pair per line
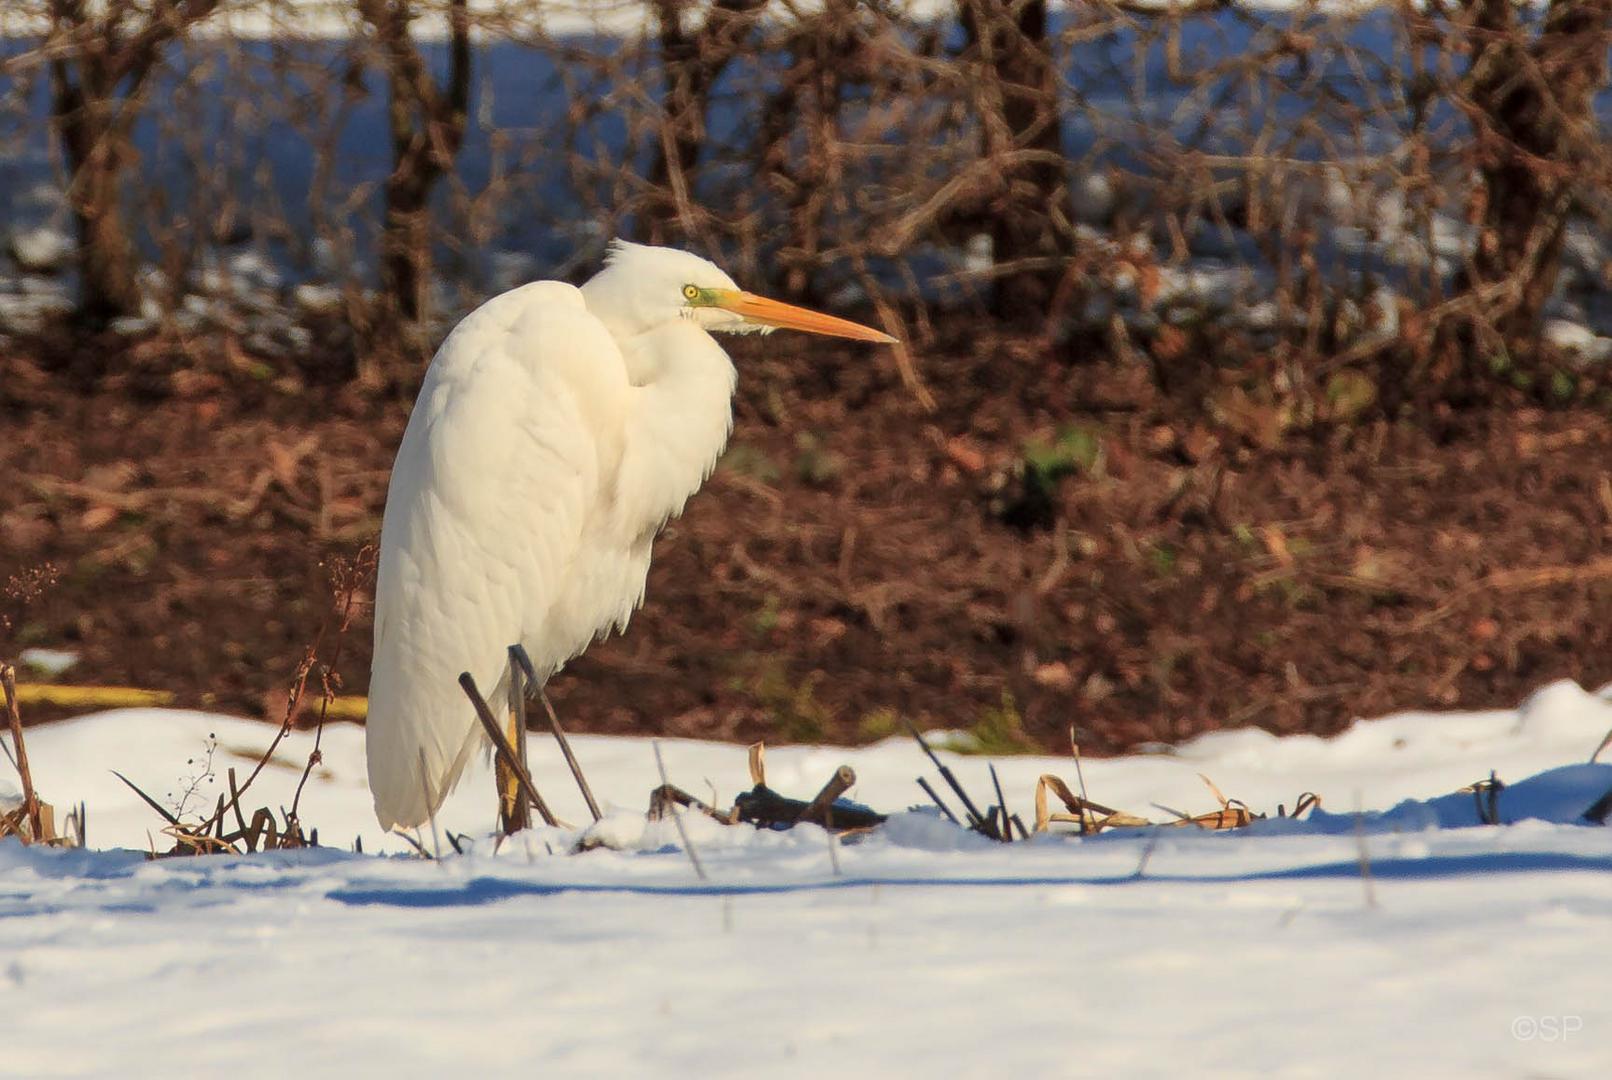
642, 287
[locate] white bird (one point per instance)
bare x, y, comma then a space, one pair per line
557, 430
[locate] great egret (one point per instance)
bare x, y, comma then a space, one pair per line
556, 432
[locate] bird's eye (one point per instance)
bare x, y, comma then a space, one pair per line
691, 292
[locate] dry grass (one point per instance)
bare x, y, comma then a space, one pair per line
1093, 817
227, 829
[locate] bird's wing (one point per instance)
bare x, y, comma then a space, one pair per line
515, 431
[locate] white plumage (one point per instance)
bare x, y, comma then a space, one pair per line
556, 431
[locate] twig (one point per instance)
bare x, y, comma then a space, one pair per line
1147, 854
677, 819
293, 703
1605, 742
518, 655
354, 574
412, 842
235, 801
1486, 796
1006, 832
936, 799
974, 816
668, 795
30, 798
1082, 810
158, 807
1519, 579
1365, 859
502, 747
1080, 775
816, 811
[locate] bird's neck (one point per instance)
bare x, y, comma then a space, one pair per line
679, 424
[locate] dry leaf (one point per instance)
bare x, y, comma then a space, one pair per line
1169, 344
1276, 544
113, 476
1054, 676
97, 517
965, 454
284, 461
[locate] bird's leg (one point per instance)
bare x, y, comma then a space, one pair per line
514, 812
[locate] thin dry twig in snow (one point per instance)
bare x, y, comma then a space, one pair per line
503, 748
677, 818
30, 798
519, 655
1365, 858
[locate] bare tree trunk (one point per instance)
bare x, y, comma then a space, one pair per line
99, 76
1018, 95
691, 63
1531, 105
427, 124
107, 286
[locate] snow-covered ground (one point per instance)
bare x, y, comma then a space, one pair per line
1469, 951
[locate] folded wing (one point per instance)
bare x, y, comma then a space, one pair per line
512, 445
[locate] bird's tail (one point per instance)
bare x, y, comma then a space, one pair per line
417, 745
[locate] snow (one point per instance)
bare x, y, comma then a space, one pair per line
1573, 336
932, 952
50, 662
27, 303
41, 249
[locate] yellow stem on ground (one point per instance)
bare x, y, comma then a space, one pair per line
343, 707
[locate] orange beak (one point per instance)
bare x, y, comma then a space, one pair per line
765, 312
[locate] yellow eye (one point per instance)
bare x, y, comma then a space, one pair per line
691, 292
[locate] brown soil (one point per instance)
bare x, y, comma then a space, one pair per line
857, 560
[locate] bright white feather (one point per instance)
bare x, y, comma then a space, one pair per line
543, 454
556, 432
